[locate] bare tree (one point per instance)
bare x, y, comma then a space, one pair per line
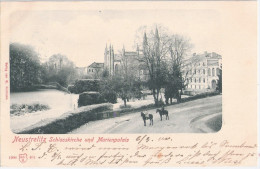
155, 49
177, 76
126, 83
163, 56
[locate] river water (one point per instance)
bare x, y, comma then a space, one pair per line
58, 101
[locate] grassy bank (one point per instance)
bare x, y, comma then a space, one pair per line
68, 121
215, 123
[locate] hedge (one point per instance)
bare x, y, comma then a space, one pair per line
109, 96
199, 96
85, 85
71, 89
68, 121
89, 98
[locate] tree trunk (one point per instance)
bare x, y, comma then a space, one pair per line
158, 90
154, 97
125, 102
167, 100
178, 98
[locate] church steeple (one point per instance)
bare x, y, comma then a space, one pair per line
157, 43
123, 50
157, 38
137, 49
105, 57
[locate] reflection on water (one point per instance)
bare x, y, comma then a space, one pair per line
58, 101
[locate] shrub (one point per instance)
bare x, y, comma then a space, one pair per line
71, 89
198, 96
85, 85
110, 96
89, 98
17, 109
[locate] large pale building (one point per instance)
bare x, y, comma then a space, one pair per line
201, 72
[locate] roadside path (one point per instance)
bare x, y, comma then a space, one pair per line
184, 118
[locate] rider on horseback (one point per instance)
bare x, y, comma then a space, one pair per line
146, 114
163, 108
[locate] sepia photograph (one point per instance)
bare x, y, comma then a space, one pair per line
129, 84
115, 71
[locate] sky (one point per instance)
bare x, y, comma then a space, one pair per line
82, 35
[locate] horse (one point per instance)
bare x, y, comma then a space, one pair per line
150, 117
163, 112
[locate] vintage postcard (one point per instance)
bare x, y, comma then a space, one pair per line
120, 84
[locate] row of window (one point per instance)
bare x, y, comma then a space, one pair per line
212, 71
189, 80
197, 86
90, 70
201, 64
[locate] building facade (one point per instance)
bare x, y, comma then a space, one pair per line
115, 62
95, 69
201, 72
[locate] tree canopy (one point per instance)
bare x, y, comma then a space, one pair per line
25, 68
163, 55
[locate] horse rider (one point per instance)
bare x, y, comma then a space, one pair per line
163, 108
146, 114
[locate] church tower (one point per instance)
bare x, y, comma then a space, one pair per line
105, 57
109, 59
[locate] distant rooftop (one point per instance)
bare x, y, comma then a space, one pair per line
198, 57
96, 65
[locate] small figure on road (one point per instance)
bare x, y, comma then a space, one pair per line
146, 117
163, 112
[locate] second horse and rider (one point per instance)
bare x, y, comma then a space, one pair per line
147, 116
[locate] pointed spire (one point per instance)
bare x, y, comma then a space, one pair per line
145, 39
110, 49
145, 44
137, 49
123, 50
156, 30
106, 49
156, 33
